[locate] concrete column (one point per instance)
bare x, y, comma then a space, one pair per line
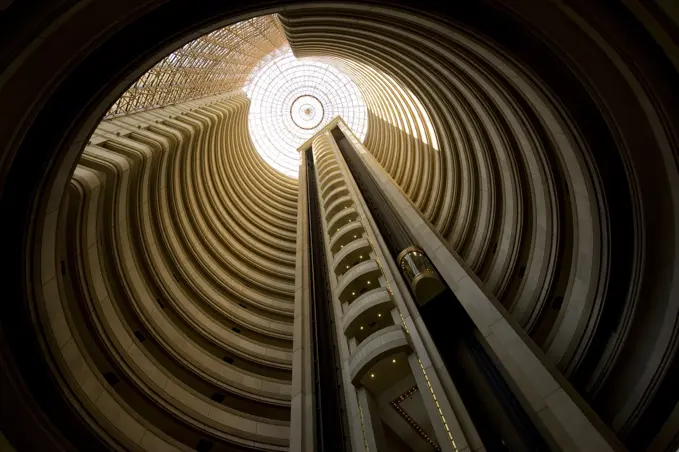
455, 413
302, 397
374, 433
559, 412
428, 386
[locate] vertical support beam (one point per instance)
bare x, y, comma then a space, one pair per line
560, 412
371, 419
449, 432
302, 434
357, 431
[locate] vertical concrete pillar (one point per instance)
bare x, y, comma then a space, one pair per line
558, 411
302, 398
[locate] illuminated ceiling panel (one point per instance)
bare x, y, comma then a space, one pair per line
291, 99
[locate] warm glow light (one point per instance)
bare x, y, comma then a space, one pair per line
291, 99
393, 360
372, 375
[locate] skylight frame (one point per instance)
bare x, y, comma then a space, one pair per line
275, 83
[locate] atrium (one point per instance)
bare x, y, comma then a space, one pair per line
324, 226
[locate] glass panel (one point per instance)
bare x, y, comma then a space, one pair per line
415, 263
291, 99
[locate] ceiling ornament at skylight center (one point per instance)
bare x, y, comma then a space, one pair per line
291, 99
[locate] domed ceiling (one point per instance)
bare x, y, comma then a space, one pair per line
291, 99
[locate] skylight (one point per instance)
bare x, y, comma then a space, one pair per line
291, 99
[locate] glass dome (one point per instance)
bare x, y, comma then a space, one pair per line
291, 99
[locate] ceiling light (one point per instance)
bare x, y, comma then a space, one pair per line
379, 315
361, 327
372, 375
353, 293
393, 360
368, 282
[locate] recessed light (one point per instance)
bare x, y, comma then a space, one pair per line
379, 315
353, 293
368, 282
360, 257
347, 266
361, 327
393, 360
372, 375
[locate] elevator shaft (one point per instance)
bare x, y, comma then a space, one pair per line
497, 414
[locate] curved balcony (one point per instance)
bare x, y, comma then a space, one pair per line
323, 156
330, 175
350, 255
360, 279
339, 204
324, 165
335, 194
347, 234
379, 345
369, 307
331, 185
341, 218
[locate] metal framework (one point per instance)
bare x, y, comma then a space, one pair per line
217, 62
292, 99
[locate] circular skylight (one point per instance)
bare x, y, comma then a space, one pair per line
291, 99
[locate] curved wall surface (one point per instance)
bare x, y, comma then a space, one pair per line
545, 209
171, 305
148, 289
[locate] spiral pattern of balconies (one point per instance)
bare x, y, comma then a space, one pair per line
368, 316
466, 167
493, 161
172, 304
